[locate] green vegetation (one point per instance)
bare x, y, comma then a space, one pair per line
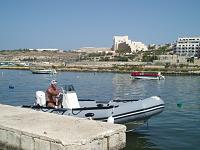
120, 58
149, 58
96, 54
163, 50
153, 53
123, 51
104, 59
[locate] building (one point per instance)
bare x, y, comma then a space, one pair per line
124, 42
93, 50
176, 60
188, 46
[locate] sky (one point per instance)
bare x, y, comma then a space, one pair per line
72, 24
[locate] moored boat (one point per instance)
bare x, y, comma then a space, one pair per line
43, 71
115, 111
147, 75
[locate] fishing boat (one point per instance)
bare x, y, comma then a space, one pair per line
115, 111
147, 75
43, 71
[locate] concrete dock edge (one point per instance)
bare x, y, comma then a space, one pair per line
26, 129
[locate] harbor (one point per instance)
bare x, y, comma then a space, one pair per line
180, 93
99, 75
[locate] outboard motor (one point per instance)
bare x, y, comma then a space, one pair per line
40, 98
70, 99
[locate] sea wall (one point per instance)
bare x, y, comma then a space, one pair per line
28, 129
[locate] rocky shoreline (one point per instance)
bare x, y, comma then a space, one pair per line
110, 69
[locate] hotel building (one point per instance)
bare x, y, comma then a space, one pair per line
188, 46
124, 42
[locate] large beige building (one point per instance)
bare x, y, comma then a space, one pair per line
122, 41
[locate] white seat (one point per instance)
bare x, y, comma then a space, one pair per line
70, 100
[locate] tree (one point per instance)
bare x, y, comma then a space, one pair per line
123, 48
149, 58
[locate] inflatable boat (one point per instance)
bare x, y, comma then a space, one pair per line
115, 111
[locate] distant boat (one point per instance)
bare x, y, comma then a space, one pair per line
147, 75
43, 71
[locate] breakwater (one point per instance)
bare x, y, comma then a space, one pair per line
29, 130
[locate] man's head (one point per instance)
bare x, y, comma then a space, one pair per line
54, 82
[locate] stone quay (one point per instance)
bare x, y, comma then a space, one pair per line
26, 129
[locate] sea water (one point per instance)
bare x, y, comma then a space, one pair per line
176, 128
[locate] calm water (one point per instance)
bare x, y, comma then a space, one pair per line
176, 128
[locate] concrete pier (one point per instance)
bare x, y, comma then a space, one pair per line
28, 129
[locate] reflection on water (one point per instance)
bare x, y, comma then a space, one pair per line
125, 88
136, 140
177, 127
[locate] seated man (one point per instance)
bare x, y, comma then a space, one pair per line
52, 94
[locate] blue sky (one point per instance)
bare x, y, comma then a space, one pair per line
71, 24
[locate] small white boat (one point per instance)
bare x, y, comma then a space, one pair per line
43, 71
147, 75
115, 111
